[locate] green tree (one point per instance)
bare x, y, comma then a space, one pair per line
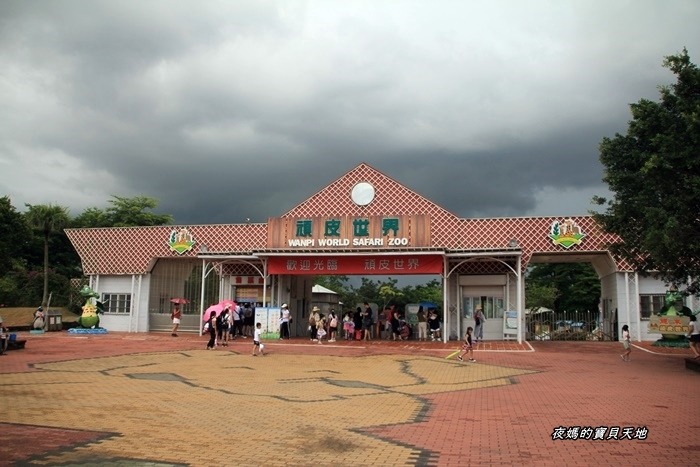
539, 295
388, 292
368, 291
127, 212
654, 173
47, 218
563, 287
123, 212
428, 292
14, 232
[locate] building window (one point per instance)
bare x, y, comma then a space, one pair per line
116, 302
649, 304
491, 306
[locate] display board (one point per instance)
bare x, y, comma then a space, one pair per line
510, 324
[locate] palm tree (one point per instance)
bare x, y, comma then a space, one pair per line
47, 219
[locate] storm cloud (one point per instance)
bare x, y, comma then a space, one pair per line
230, 110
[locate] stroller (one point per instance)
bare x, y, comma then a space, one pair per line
404, 330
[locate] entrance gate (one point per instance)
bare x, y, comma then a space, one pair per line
547, 325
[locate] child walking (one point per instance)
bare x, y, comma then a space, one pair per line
626, 343
256, 340
467, 347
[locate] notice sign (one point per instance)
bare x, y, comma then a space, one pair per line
351, 265
673, 324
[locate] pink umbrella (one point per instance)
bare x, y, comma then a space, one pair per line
212, 309
179, 301
227, 303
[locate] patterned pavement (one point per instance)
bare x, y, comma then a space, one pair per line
152, 399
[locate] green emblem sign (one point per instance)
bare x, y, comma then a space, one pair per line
566, 233
180, 240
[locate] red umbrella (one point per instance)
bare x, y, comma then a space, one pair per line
227, 303
212, 309
179, 300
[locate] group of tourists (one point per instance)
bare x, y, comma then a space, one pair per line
389, 324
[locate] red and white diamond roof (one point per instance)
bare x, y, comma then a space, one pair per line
134, 250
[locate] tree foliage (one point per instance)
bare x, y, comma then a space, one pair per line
381, 292
14, 233
26, 275
47, 219
654, 173
124, 212
563, 287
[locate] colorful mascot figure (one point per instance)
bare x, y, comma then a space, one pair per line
673, 306
90, 318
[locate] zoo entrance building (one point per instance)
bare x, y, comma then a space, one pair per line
363, 223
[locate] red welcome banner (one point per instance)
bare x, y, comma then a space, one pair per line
356, 265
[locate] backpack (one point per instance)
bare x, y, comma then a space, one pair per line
334, 322
223, 319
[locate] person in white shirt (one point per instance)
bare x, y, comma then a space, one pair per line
694, 336
284, 326
257, 346
237, 328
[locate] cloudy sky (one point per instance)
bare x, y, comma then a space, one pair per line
223, 110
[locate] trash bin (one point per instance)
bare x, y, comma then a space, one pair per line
55, 321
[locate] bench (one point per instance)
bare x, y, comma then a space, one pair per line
15, 344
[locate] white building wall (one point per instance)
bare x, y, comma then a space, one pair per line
649, 285
137, 286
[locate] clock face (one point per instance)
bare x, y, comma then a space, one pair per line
362, 194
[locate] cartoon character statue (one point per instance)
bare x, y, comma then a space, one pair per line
89, 318
673, 306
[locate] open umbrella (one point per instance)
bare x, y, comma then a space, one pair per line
212, 309
229, 303
179, 300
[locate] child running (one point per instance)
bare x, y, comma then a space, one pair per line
467, 347
626, 343
256, 340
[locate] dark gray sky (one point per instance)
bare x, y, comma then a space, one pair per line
224, 110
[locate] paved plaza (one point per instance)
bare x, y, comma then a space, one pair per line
153, 399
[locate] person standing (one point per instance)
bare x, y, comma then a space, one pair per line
286, 318
4, 338
434, 325
210, 326
348, 326
237, 329
626, 343
222, 325
367, 321
320, 328
175, 316
314, 317
422, 324
467, 347
332, 326
248, 320
357, 319
694, 336
479, 320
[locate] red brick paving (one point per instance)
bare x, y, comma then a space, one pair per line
574, 384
